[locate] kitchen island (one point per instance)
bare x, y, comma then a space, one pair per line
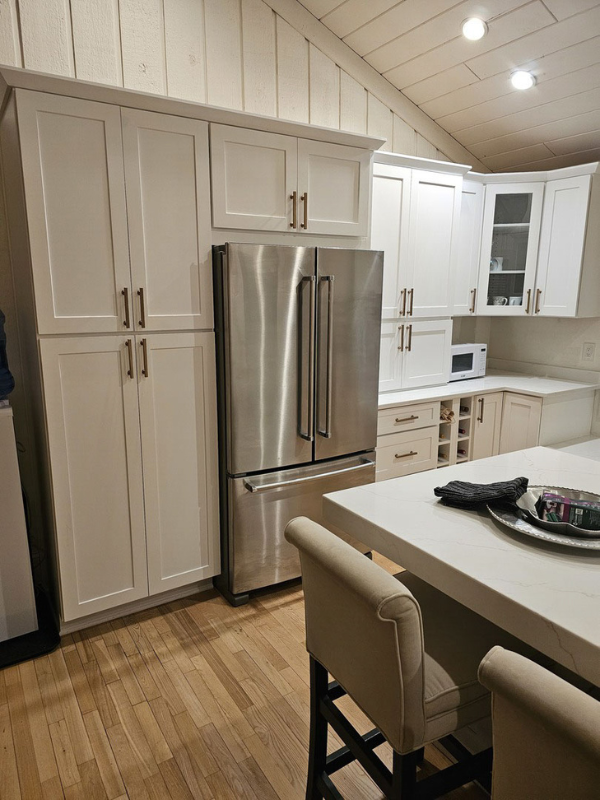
546, 595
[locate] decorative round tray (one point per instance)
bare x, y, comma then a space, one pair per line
527, 504
510, 517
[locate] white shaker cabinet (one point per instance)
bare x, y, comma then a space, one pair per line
178, 406
486, 419
562, 239
254, 179
415, 220
272, 182
168, 207
469, 241
96, 468
333, 188
389, 232
509, 248
72, 160
414, 353
521, 417
434, 222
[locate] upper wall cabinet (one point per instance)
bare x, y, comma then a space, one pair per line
79, 164
271, 182
561, 246
416, 222
469, 241
509, 248
75, 195
168, 208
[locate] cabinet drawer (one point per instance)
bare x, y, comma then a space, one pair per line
407, 418
405, 453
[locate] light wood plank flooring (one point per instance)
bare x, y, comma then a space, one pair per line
194, 699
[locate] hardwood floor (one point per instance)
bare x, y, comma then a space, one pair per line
194, 699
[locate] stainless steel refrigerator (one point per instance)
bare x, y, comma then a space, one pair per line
298, 355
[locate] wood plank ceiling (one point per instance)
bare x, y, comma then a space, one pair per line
465, 86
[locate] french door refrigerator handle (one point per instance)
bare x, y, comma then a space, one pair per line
326, 432
255, 487
311, 364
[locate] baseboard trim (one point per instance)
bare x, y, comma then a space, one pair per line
131, 608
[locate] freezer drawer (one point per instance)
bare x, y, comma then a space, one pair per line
261, 506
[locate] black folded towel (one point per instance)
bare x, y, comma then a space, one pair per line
469, 495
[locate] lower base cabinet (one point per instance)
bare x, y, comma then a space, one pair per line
487, 412
133, 460
521, 417
404, 453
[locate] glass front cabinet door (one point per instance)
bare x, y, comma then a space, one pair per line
509, 246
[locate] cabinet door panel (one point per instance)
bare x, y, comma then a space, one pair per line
335, 182
178, 412
253, 177
561, 246
94, 438
389, 232
469, 240
509, 247
390, 356
433, 242
426, 358
75, 195
168, 205
521, 417
486, 411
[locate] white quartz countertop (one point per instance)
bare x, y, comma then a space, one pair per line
545, 594
493, 382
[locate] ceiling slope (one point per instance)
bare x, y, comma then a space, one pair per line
465, 86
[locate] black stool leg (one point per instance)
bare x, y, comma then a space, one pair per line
404, 776
317, 753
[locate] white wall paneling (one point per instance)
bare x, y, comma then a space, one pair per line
259, 58
143, 45
272, 58
324, 89
185, 49
46, 36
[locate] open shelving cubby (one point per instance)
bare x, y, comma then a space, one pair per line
454, 438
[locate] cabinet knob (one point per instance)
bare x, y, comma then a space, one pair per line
528, 306
142, 308
473, 296
406, 455
401, 345
294, 199
403, 312
407, 419
127, 320
304, 199
409, 345
538, 294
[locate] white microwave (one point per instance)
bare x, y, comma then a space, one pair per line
467, 361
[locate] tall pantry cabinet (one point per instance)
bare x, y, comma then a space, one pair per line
110, 246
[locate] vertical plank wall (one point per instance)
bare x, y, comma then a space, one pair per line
233, 53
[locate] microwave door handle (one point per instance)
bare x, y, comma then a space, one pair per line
308, 435
326, 431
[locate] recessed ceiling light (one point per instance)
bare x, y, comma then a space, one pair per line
474, 28
522, 79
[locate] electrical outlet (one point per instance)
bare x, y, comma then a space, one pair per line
588, 351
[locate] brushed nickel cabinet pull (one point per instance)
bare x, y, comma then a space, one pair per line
538, 294
403, 312
127, 320
528, 301
407, 419
144, 344
304, 199
129, 358
473, 296
412, 300
406, 455
401, 329
409, 345
142, 308
481, 402
294, 199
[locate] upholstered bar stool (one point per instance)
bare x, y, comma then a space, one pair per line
404, 652
546, 732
